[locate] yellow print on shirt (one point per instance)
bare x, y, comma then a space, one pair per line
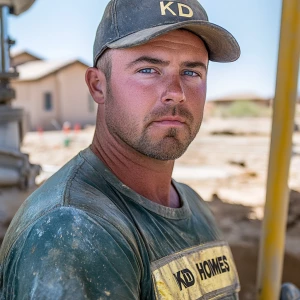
204, 271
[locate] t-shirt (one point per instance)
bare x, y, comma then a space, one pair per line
85, 235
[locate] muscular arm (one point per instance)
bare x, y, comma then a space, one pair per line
68, 255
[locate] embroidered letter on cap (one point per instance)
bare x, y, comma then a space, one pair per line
164, 7
183, 9
182, 14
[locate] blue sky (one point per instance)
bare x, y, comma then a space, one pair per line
57, 29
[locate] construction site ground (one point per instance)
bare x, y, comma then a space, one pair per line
226, 164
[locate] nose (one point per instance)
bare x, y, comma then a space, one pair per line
174, 92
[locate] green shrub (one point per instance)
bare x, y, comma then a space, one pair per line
240, 109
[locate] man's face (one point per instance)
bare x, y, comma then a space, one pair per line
156, 94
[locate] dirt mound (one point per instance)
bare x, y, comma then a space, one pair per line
294, 212
243, 234
246, 259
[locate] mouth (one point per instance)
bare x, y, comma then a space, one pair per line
170, 121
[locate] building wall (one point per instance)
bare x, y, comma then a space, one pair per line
70, 99
31, 97
76, 104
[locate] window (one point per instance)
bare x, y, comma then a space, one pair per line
91, 103
48, 105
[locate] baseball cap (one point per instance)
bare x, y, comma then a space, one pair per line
128, 23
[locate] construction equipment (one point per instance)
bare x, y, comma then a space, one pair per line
17, 7
15, 168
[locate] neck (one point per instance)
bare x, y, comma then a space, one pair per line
147, 176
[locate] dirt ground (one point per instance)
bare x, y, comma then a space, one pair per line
226, 164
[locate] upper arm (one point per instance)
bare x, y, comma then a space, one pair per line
67, 255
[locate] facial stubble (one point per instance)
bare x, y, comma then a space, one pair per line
169, 147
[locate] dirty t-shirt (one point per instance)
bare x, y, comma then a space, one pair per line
85, 235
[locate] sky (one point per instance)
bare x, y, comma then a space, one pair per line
56, 29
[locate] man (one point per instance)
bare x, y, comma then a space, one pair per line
112, 224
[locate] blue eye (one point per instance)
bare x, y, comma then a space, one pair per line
190, 73
147, 71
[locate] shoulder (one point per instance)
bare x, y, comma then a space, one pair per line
45, 199
72, 186
69, 249
71, 228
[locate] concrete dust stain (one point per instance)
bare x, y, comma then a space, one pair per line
54, 254
40, 232
75, 244
163, 291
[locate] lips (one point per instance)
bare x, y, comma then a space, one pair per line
170, 121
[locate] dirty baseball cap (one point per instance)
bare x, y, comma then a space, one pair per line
128, 23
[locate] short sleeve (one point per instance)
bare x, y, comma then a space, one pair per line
67, 254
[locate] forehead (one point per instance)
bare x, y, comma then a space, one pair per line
177, 42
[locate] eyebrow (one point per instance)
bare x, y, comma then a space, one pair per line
157, 61
194, 64
148, 59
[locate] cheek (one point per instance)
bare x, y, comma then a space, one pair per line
197, 96
146, 89
135, 95
195, 103
132, 101
201, 89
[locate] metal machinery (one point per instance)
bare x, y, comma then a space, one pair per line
15, 170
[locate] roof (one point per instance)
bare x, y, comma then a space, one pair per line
35, 70
16, 53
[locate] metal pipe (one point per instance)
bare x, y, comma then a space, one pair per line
9, 177
274, 225
5, 59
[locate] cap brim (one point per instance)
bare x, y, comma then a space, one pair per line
221, 44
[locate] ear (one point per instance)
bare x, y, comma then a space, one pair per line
96, 82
